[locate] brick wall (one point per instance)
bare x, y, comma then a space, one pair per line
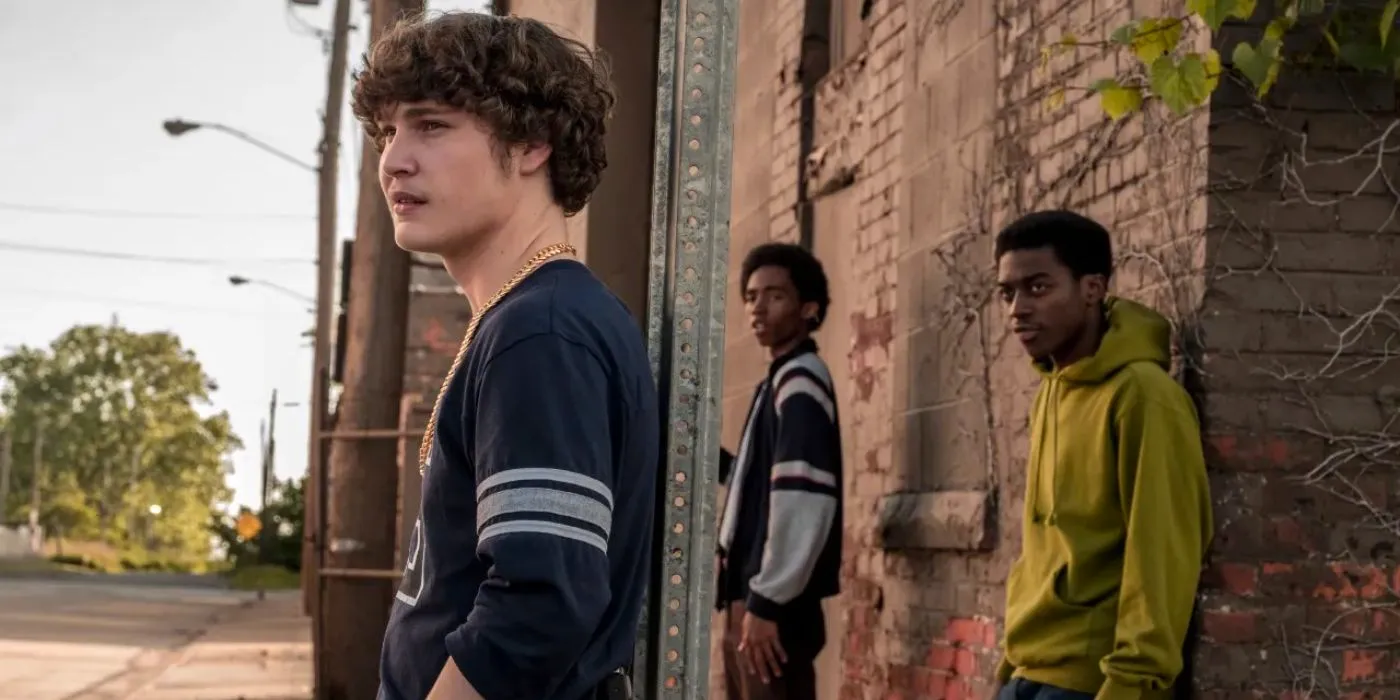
1302, 388
935, 133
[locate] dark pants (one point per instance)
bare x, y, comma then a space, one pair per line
1022, 689
798, 682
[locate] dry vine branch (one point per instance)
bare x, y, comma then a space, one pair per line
1363, 345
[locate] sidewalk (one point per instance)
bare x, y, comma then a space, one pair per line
258, 651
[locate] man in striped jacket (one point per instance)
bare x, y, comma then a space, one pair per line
780, 532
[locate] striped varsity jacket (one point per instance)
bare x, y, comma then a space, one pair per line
780, 531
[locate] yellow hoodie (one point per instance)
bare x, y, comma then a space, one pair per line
1117, 519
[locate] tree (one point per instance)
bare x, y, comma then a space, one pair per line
1329, 34
131, 454
283, 520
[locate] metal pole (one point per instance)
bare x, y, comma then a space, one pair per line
6, 455
685, 328
325, 287
248, 138
36, 540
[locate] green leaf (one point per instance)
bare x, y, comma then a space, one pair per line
1365, 56
1181, 84
1125, 34
1056, 99
1388, 20
1278, 27
1212, 12
1332, 43
1243, 9
1155, 38
1258, 64
1211, 61
1116, 99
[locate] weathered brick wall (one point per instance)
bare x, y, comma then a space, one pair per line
1302, 388
936, 133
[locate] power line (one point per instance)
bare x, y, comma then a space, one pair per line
135, 214
50, 295
138, 257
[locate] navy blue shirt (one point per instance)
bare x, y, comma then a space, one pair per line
530, 554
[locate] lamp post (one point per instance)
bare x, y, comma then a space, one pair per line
239, 281
326, 169
179, 127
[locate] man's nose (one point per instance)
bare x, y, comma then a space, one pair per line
396, 160
1020, 309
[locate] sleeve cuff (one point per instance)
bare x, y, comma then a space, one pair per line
763, 607
475, 660
1115, 690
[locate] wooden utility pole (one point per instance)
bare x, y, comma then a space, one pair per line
36, 539
326, 193
363, 478
268, 480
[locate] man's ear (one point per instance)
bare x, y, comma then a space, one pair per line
809, 312
531, 157
1094, 288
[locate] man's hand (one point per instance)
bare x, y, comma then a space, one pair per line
759, 649
452, 685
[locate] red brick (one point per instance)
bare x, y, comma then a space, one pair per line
962, 630
1363, 664
958, 689
1239, 579
966, 663
1230, 627
936, 685
941, 657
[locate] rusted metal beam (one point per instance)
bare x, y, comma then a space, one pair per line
685, 329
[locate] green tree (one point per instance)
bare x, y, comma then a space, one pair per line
1170, 67
279, 543
131, 452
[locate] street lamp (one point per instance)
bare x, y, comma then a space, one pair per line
180, 127
239, 281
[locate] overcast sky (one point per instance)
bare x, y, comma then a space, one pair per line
88, 168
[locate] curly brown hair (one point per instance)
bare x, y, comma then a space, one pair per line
526, 82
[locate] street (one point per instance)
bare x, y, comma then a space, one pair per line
149, 638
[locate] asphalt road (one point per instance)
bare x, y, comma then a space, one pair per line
101, 638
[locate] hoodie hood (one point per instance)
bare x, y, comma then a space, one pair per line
1135, 334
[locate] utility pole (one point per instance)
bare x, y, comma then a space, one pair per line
36, 539
269, 452
7, 447
325, 291
357, 575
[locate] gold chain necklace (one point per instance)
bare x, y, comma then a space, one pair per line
533, 264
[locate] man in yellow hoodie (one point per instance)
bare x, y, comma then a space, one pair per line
1117, 508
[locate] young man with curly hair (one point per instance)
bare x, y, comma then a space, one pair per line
780, 533
529, 557
1117, 507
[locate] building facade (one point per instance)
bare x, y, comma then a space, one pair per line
894, 137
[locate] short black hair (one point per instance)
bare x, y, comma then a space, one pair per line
1080, 243
805, 270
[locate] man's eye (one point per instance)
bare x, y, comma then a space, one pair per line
1038, 288
433, 126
